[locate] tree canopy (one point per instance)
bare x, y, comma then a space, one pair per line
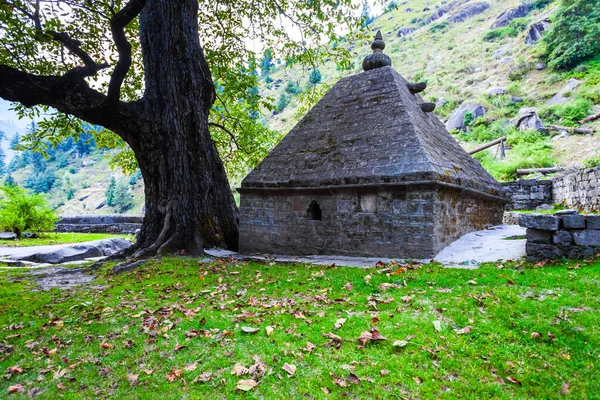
99, 40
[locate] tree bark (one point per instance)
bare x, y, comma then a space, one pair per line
189, 203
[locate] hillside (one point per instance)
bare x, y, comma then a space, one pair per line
489, 75
452, 47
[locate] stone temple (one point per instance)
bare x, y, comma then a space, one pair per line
369, 172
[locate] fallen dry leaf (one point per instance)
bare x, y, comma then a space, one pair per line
269, 330
191, 367
289, 368
15, 388
418, 380
133, 379
339, 323
464, 330
513, 380
565, 388
373, 335
535, 335
205, 377
384, 372
246, 384
309, 347
105, 345
14, 370
238, 369
171, 376
437, 325
353, 379
400, 343
248, 329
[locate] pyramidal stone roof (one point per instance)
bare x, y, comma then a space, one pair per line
370, 129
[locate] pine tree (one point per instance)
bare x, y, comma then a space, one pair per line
110, 192
315, 76
2, 162
9, 181
123, 200
14, 142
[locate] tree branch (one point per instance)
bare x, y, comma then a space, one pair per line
73, 45
117, 27
69, 94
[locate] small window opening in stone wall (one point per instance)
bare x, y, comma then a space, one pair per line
314, 211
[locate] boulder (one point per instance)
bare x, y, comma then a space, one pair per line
100, 205
29, 235
456, 120
496, 91
8, 236
510, 14
468, 11
540, 66
528, 119
535, 30
77, 252
405, 31
560, 97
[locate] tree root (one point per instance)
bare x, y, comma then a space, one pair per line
163, 237
128, 266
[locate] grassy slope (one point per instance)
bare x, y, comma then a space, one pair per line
459, 66
90, 181
129, 339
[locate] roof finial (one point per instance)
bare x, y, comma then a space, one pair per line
377, 59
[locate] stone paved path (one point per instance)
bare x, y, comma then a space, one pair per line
467, 252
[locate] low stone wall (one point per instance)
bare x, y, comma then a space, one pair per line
564, 234
527, 194
580, 190
110, 223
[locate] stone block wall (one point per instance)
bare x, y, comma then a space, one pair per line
580, 190
564, 234
109, 223
410, 221
527, 194
576, 190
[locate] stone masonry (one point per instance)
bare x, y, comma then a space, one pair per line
369, 172
580, 190
577, 190
110, 223
527, 194
564, 234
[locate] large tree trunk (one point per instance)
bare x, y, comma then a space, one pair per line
189, 204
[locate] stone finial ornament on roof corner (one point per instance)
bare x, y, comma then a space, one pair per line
369, 171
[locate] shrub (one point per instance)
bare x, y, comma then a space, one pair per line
292, 88
573, 37
591, 162
283, 102
110, 192
315, 76
123, 200
568, 114
21, 212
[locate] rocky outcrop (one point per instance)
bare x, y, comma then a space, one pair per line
456, 120
509, 14
76, 252
535, 30
496, 91
468, 11
528, 119
560, 97
405, 31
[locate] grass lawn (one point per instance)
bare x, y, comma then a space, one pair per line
176, 329
59, 238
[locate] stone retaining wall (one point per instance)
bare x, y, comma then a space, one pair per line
577, 190
527, 194
110, 223
580, 190
564, 234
